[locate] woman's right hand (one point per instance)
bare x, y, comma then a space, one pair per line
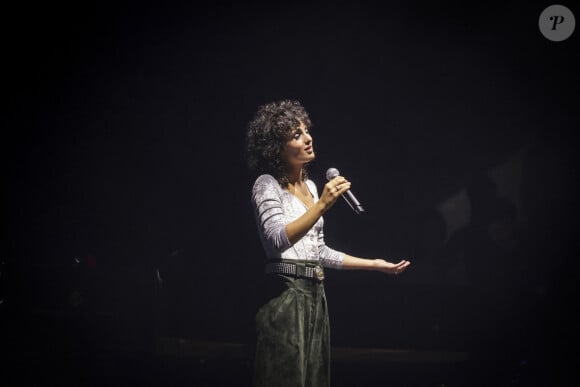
332, 190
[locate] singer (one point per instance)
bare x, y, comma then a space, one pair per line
293, 337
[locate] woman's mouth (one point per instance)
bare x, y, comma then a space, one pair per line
308, 149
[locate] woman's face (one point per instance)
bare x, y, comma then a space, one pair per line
299, 150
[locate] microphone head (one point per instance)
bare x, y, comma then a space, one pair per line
331, 173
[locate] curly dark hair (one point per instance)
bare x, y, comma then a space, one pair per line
268, 132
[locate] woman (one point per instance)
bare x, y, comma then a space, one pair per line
293, 347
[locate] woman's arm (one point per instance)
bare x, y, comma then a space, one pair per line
299, 227
353, 263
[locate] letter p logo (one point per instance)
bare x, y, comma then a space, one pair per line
557, 20
557, 23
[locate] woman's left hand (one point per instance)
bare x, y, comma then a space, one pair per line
391, 268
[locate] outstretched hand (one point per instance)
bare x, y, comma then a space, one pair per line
391, 268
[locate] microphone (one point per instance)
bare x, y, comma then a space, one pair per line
331, 173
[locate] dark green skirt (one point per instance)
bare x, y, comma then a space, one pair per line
293, 335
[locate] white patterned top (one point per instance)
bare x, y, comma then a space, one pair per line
274, 208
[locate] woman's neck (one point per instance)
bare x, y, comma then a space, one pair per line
295, 176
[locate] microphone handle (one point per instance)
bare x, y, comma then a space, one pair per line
353, 203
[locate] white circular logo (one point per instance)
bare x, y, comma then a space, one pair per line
557, 23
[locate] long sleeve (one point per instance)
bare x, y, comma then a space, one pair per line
328, 257
270, 214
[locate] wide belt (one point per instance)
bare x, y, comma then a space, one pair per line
314, 272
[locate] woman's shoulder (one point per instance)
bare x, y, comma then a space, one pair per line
266, 181
266, 186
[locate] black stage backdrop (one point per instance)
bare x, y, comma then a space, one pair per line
128, 232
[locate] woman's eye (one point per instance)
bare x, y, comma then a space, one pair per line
297, 136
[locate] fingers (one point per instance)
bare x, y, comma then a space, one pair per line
333, 189
337, 181
342, 188
338, 186
392, 268
401, 266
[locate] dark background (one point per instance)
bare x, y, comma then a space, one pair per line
129, 235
